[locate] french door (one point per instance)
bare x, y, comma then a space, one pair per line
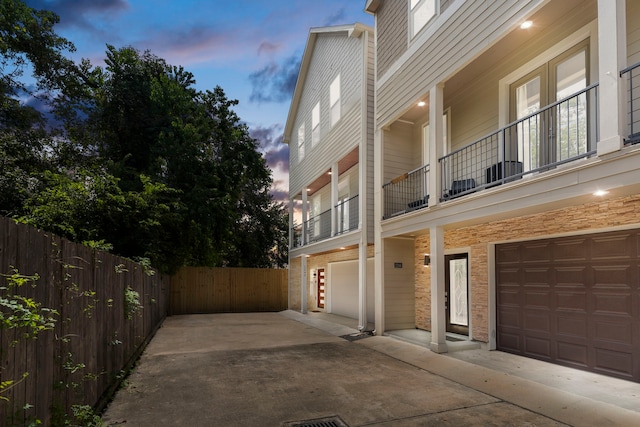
560, 132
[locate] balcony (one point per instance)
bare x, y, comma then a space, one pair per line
406, 193
632, 76
559, 133
347, 214
319, 228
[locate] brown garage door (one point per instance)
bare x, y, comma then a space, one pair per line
574, 301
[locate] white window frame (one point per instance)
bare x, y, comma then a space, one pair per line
589, 31
334, 100
301, 142
315, 125
344, 194
417, 6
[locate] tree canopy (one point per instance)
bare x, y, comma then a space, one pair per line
130, 156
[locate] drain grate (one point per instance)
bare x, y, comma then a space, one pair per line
334, 421
357, 336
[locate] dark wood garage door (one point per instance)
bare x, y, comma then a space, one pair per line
574, 301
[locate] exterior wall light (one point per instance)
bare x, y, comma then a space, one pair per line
427, 260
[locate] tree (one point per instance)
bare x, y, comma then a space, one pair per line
136, 158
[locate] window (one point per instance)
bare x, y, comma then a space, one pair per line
315, 125
334, 100
301, 142
315, 218
343, 206
560, 133
420, 12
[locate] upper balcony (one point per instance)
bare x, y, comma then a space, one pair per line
527, 109
330, 206
562, 132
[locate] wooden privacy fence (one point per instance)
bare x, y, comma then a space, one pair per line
108, 308
228, 290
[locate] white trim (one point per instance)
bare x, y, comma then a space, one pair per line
414, 34
589, 31
422, 37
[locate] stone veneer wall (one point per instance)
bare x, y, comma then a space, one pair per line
595, 216
295, 265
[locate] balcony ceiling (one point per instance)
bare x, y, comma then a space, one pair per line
553, 15
346, 163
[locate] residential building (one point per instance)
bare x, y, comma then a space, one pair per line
507, 178
329, 130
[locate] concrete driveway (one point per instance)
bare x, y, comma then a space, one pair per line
280, 369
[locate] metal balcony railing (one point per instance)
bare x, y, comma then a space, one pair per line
406, 193
347, 215
296, 236
318, 227
559, 133
632, 75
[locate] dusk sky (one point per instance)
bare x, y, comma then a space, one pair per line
251, 48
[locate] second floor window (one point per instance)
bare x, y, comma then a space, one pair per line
334, 100
301, 142
420, 12
315, 124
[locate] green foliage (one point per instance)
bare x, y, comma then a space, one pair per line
23, 313
131, 302
141, 163
85, 416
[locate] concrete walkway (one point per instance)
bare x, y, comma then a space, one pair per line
279, 369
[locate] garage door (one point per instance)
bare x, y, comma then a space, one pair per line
574, 301
343, 289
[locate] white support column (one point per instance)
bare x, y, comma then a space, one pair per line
436, 148
362, 284
612, 57
304, 284
363, 196
335, 179
305, 216
438, 304
378, 241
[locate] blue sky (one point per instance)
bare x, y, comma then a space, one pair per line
251, 48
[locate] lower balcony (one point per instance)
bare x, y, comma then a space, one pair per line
319, 227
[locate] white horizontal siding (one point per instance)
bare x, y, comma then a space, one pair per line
633, 32
333, 54
399, 151
471, 28
399, 290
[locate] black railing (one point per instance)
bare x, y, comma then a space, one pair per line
347, 215
296, 235
632, 74
559, 133
406, 193
318, 227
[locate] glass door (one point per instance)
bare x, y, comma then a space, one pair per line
457, 293
560, 132
528, 95
569, 75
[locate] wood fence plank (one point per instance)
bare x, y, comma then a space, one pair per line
88, 328
224, 290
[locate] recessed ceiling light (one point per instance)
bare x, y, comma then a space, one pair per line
526, 24
421, 104
600, 193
